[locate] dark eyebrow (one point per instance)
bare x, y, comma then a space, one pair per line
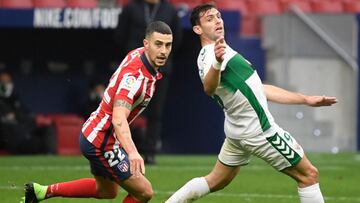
159, 42
212, 15
162, 42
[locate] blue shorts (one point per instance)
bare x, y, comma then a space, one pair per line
113, 164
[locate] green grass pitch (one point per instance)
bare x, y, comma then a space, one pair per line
257, 182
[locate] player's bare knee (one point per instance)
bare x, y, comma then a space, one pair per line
149, 193
146, 195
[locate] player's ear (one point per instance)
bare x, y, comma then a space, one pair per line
146, 43
197, 29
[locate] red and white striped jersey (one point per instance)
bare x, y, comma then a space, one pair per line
134, 82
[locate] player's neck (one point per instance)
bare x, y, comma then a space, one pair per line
151, 62
206, 41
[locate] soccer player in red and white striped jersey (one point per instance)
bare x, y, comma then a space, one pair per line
105, 139
133, 84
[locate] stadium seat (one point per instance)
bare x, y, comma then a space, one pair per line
304, 5
239, 5
327, 6
17, 4
264, 7
49, 3
251, 23
351, 6
122, 3
82, 3
67, 128
233, 5
250, 26
43, 120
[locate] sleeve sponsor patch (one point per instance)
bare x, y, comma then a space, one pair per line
128, 82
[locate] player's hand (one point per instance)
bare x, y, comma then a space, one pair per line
316, 101
219, 49
137, 166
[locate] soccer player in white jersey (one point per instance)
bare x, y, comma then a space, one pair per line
105, 139
249, 127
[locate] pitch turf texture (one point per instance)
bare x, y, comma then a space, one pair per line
257, 182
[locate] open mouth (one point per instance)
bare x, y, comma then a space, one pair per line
161, 59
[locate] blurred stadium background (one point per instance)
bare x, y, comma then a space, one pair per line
55, 48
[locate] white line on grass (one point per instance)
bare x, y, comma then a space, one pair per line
221, 194
13, 187
357, 157
249, 167
267, 196
173, 168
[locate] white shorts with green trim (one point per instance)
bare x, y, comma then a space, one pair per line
280, 150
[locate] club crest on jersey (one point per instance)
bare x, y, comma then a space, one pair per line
123, 166
128, 82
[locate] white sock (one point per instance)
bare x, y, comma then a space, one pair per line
192, 190
311, 194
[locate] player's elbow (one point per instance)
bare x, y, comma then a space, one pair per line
117, 119
210, 85
209, 90
114, 122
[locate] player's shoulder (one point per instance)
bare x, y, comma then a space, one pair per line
206, 51
132, 63
134, 58
137, 51
205, 54
130, 70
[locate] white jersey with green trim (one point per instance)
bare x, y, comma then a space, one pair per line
240, 94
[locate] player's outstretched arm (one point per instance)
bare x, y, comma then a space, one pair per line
121, 111
212, 78
282, 96
316, 101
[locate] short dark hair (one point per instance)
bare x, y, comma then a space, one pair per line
195, 14
157, 26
